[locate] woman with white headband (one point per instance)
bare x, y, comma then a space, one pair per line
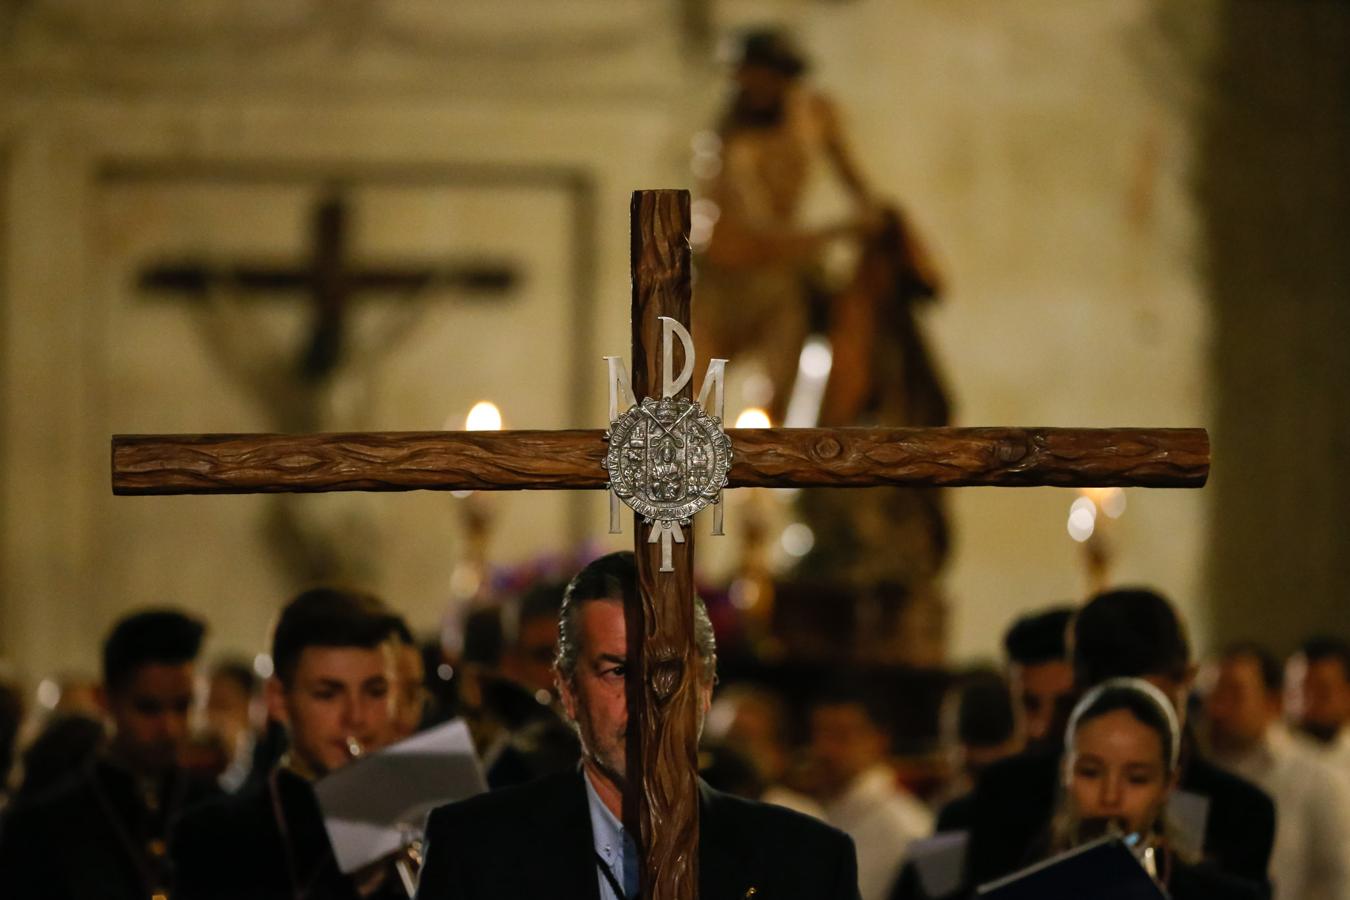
1122, 755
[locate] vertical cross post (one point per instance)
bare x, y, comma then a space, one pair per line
661, 803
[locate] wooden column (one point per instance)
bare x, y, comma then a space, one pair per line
661, 804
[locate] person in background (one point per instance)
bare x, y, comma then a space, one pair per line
1128, 632
978, 727
411, 696
11, 717
1040, 674
850, 750
1311, 859
102, 832
532, 639
67, 743
231, 712
752, 720
1122, 759
333, 688
1317, 696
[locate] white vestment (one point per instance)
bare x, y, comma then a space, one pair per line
1311, 858
882, 819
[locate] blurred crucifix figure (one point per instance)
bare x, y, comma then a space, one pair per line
328, 381
760, 296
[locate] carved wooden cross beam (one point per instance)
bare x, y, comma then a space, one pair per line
663, 698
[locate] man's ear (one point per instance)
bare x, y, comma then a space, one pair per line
275, 694
102, 699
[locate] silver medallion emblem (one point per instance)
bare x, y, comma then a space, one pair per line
667, 459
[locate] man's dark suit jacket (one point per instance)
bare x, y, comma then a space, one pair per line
91, 836
234, 848
1015, 798
535, 841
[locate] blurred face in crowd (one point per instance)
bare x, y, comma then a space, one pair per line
227, 709
532, 658
757, 730
1317, 696
1040, 690
1238, 707
411, 692
150, 711
339, 704
845, 742
594, 697
1116, 771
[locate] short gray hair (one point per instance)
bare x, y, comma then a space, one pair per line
614, 578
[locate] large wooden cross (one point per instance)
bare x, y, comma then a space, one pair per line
330, 279
663, 695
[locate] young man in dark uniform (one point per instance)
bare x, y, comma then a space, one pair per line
103, 833
333, 653
562, 835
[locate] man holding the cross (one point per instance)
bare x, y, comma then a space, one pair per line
562, 836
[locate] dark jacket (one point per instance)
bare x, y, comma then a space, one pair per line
267, 842
1015, 799
535, 841
93, 836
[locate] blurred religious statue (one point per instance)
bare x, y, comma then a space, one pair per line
761, 292
759, 264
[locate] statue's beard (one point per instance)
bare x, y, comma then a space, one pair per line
747, 115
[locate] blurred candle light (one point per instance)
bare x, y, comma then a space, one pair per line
753, 418
1082, 523
797, 539
485, 416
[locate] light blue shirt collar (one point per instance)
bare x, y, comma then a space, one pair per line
607, 832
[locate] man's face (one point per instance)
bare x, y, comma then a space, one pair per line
844, 743
1040, 689
338, 695
150, 714
536, 647
1317, 695
1238, 707
594, 697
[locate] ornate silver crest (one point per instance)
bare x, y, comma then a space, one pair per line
667, 459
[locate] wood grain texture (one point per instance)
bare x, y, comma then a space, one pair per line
663, 702
563, 460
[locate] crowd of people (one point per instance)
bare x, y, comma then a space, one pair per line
1228, 776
